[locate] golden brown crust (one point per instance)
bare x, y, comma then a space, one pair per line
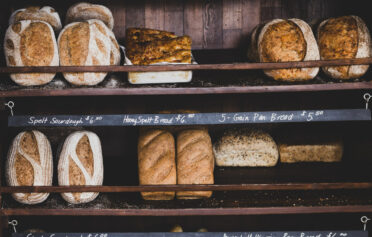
36, 13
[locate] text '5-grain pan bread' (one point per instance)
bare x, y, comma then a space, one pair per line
345, 37
250, 148
156, 162
86, 11
87, 43
281, 40
47, 14
31, 43
80, 163
30, 163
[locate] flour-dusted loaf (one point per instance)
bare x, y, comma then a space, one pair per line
345, 37
251, 148
30, 163
281, 40
86, 11
156, 162
31, 43
87, 43
195, 162
34, 13
80, 163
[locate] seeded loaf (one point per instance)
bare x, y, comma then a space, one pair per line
34, 13
281, 40
195, 162
88, 43
80, 163
31, 43
251, 148
86, 11
156, 162
30, 163
345, 37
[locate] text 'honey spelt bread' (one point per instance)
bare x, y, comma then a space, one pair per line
250, 148
156, 162
195, 162
345, 37
34, 13
80, 163
30, 163
31, 43
87, 43
86, 11
281, 40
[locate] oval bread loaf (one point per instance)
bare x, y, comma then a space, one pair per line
31, 43
252, 148
345, 37
86, 11
47, 14
30, 163
80, 163
281, 40
88, 43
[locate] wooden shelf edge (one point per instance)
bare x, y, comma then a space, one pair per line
337, 86
187, 212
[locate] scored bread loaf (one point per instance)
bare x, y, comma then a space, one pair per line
156, 162
30, 163
80, 163
345, 37
281, 40
34, 13
195, 162
88, 43
252, 148
31, 43
86, 11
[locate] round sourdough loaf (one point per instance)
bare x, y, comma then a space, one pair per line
87, 43
344, 37
80, 163
86, 11
30, 163
47, 14
250, 148
31, 43
281, 40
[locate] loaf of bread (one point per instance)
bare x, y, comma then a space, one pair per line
156, 162
47, 14
195, 162
176, 228
345, 37
252, 148
86, 11
281, 40
80, 163
31, 43
88, 43
30, 163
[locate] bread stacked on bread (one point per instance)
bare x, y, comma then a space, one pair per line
345, 37
147, 46
30, 163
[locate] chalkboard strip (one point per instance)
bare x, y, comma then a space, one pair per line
298, 116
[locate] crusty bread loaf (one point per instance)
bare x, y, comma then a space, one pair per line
250, 148
156, 162
176, 228
86, 11
88, 43
345, 37
285, 40
31, 43
195, 162
30, 163
80, 163
47, 14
